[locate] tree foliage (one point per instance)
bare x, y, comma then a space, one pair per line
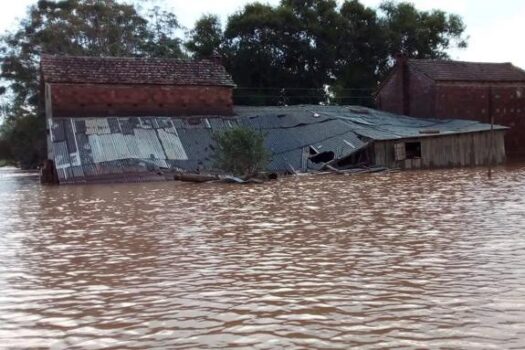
22, 139
307, 45
241, 152
206, 38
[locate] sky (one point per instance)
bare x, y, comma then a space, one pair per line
494, 28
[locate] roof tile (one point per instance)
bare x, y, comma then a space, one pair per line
442, 70
133, 70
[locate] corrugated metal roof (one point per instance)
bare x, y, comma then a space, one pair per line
148, 144
95, 148
172, 144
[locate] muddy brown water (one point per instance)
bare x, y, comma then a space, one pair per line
406, 260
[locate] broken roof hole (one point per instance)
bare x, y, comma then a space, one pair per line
323, 157
313, 151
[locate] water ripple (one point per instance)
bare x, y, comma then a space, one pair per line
404, 260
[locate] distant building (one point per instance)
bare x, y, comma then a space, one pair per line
466, 90
124, 86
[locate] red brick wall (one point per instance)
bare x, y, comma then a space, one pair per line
421, 95
464, 102
471, 101
82, 100
390, 96
420, 99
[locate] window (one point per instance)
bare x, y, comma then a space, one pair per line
413, 150
407, 150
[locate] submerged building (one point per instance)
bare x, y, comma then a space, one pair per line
124, 142
466, 90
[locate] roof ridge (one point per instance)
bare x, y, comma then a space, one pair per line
438, 60
130, 58
450, 70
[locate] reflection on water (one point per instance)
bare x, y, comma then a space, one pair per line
410, 260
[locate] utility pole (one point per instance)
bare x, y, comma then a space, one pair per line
491, 146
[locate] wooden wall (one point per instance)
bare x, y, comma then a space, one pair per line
460, 150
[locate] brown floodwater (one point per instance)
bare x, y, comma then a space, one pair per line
423, 259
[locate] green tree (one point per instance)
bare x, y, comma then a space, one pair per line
21, 139
420, 34
162, 39
241, 152
361, 53
206, 38
307, 45
286, 46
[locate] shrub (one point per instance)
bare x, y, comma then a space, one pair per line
22, 140
241, 152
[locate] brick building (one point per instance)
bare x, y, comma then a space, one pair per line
466, 90
125, 86
136, 119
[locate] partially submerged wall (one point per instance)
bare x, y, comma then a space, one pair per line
469, 149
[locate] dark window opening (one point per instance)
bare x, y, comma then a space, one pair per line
323, 157
413, 150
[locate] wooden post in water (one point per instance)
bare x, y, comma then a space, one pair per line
491, 146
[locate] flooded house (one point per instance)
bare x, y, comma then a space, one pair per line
137, 119
467, 90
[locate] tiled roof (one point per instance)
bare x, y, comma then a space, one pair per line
131, 70
441, 70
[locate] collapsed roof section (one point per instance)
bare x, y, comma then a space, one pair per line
300, 138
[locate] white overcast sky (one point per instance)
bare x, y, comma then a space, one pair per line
495, 28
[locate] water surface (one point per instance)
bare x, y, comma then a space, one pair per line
402, 260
